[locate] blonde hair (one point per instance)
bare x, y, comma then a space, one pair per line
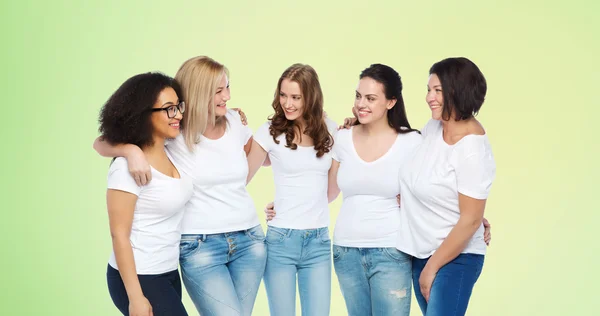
199, 78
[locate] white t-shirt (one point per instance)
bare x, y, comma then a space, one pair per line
156, 226
300, 181
370, 215
219, 169
430, 183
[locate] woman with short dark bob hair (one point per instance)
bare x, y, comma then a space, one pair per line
444, 188
142, 273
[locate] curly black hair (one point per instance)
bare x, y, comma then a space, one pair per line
125, 117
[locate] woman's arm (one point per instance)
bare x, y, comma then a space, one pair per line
121, 206
256, 157
471, 217
139, 168
332, 187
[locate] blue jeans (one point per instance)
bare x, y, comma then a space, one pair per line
452, 286
374, 281
222, 272
307, 254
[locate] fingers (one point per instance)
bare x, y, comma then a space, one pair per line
425, 292
148, 174
270, 205
486, 223
398, 199
138, 180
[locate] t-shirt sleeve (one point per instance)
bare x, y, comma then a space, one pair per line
236, 121
119, 177
336, 152
332, 127
475, 168
263, 137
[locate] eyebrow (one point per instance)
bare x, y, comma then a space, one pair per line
293, 95
170, 103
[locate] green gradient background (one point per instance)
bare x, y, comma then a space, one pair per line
61, 60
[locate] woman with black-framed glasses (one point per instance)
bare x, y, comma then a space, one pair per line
142, 273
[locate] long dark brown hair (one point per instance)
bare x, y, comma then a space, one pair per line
312, 113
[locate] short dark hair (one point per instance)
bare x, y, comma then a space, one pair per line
125, 117
463, 87
392, 87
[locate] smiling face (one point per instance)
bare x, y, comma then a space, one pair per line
435, 98
370, 102
165, 127
222, 95
291, 99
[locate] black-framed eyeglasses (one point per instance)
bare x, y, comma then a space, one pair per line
173, 109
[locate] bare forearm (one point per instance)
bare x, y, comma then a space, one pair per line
256, 157
106, 149
332, 194
456, 241
126, 264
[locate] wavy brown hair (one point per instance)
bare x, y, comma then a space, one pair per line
312, 113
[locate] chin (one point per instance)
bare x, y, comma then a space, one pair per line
291, 116
220, 111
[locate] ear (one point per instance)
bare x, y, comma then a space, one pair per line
391, 103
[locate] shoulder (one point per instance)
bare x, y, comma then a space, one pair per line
475, 146
411, 139
118, 165
431, 126
332, 126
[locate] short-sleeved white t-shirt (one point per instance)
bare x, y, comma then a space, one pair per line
430, 184
370, 215
219, 169
300, 181
156, 226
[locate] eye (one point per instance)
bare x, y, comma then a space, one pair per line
281, 95
171, 110
296, 98
357, 97
438, 90
370, 99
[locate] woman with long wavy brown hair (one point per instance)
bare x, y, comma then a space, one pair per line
298, 140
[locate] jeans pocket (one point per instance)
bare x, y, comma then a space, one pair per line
337, 252
256, 233
188, 247
276, 235
325, 236
396, 254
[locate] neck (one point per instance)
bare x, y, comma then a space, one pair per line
377, 127
156, 148
218, 124
452, 127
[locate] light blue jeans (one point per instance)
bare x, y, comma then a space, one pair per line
374, 281
222, 272
307, 255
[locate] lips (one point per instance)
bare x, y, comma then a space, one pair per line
174, 125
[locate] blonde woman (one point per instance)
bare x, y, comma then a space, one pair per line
222, 249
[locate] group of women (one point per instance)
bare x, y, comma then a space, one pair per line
413, 201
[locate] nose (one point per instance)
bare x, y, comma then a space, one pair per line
179, 116
430, 96
226, 95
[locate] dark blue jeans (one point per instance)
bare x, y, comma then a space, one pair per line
452, 286
163, 291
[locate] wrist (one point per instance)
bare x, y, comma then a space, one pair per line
129, 150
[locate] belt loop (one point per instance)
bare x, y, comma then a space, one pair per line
203, 237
